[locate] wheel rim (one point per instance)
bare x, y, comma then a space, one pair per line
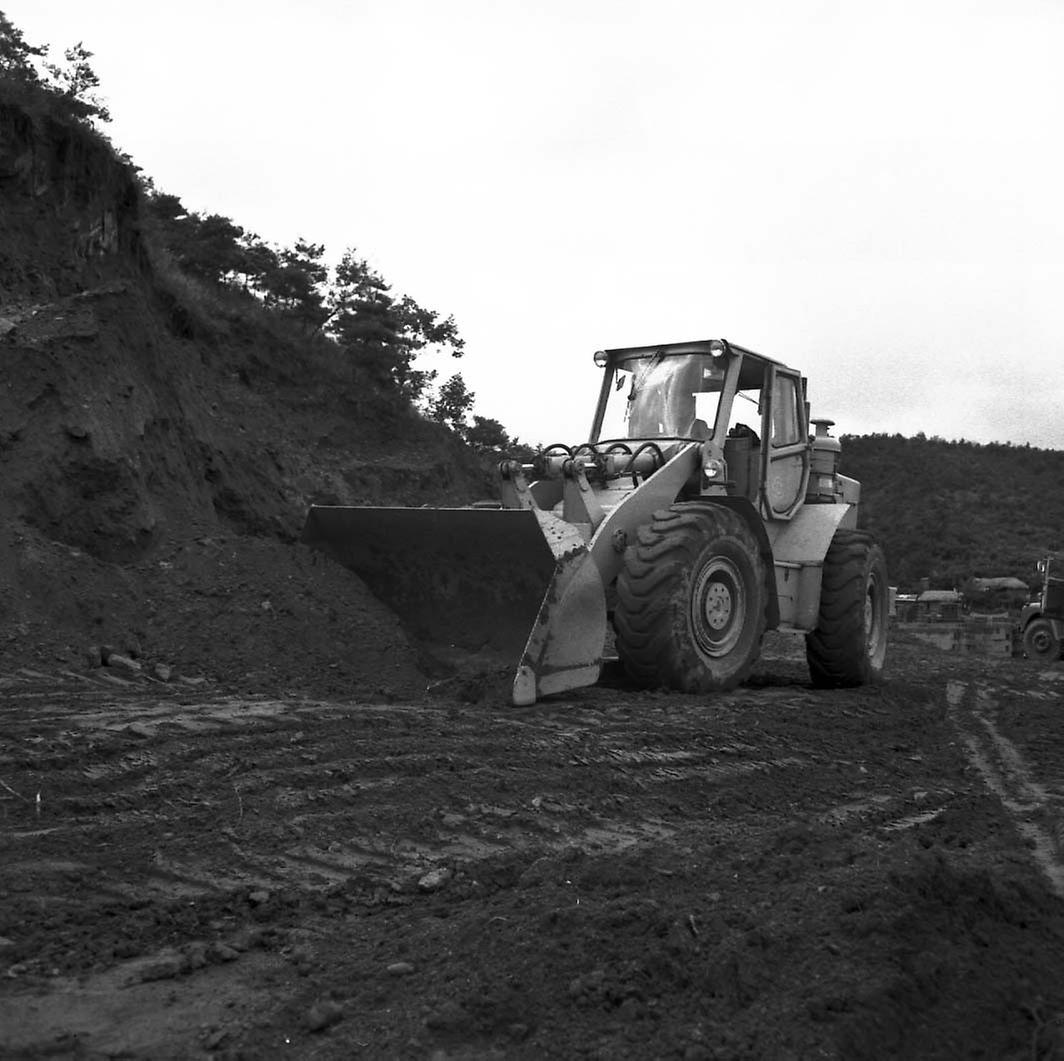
718, 607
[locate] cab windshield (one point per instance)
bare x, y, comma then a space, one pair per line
664, 396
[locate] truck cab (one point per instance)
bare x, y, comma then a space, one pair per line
1042, 619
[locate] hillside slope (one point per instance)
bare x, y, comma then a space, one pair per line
158, 451
950, 511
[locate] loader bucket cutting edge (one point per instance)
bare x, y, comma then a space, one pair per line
514, 584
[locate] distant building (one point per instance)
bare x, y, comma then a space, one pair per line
905, 607
996, 594
938, 604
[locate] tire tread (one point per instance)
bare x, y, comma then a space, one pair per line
835, 651
649, 591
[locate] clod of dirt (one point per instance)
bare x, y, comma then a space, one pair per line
324, 1014
126, 666
434, 879
450, 1017
195, 955
163, 968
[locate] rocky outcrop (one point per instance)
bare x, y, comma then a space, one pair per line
70, 208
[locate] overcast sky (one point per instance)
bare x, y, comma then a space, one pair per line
871, 192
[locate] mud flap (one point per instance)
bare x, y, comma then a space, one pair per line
515, 584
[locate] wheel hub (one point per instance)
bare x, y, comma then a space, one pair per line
718, 607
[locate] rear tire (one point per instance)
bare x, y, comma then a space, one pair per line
1040, 641
691, 600
849, 645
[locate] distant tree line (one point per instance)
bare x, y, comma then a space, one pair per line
349, 304
949, 511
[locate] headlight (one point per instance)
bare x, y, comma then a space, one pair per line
601, 358
715, 470
717, 347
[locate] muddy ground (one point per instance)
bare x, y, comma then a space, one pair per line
196, 871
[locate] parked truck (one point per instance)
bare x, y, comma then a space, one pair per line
1042, 619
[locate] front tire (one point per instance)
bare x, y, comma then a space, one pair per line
1040, 641
691, 600
849, 645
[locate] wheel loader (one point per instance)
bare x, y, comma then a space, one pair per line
1042, 619
700, 513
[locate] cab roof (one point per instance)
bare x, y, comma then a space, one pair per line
697, 346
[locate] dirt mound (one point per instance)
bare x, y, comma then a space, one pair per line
252, 613
159, 450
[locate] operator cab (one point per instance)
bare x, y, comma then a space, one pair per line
1052, 595
722, 395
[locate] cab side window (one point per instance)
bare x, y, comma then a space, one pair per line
786, 428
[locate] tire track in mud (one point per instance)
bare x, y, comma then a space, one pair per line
137, 772
197, 799
765, 863
308, 794
1034, 809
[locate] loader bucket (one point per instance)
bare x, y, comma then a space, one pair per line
516, 584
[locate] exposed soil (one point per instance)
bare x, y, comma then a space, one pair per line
160, 446
779, 872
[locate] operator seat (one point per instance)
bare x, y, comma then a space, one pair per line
742, 452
